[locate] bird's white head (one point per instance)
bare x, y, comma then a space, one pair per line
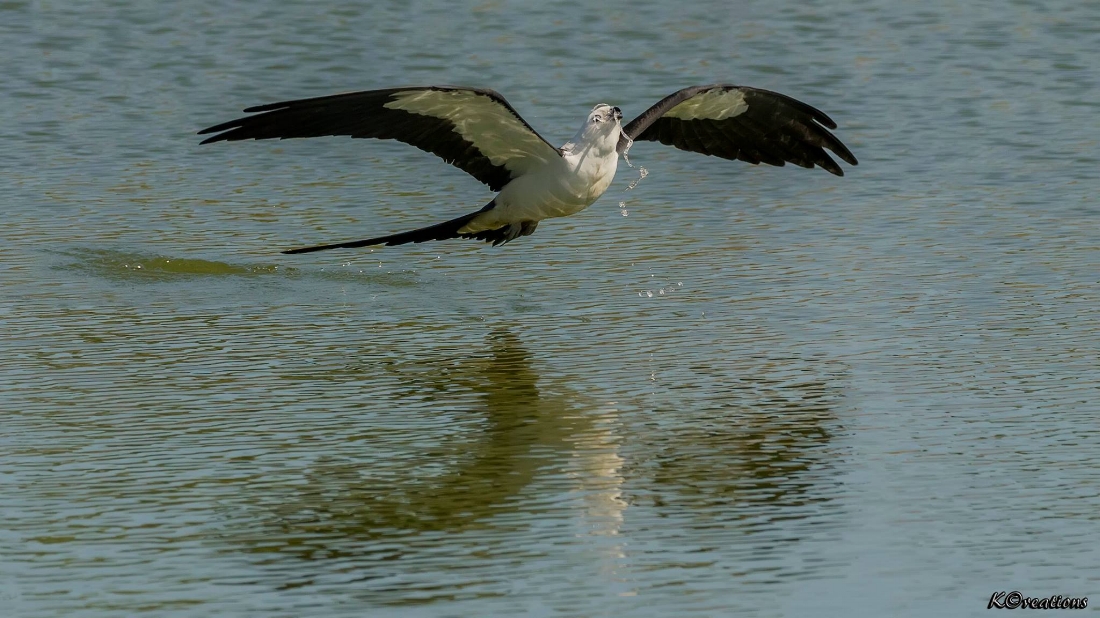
600, 130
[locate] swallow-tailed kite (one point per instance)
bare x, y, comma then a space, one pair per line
480, 133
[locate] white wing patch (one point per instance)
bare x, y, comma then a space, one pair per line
717, 104
488, 125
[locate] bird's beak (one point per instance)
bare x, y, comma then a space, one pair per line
618, 113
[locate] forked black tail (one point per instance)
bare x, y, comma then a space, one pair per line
439, 231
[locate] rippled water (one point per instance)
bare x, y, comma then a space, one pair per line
764, 392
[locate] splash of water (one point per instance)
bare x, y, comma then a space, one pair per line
642, 172
662, 291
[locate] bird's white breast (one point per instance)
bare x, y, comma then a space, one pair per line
597, 173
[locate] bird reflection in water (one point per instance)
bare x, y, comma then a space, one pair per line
517, 469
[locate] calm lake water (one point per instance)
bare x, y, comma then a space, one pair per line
763, 391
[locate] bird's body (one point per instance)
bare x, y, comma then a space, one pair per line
477, 131
563, 186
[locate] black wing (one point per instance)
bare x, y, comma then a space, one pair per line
741, 123
475, 130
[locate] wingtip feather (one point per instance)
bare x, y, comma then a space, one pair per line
267, 107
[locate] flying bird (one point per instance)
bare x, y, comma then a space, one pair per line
479, 132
